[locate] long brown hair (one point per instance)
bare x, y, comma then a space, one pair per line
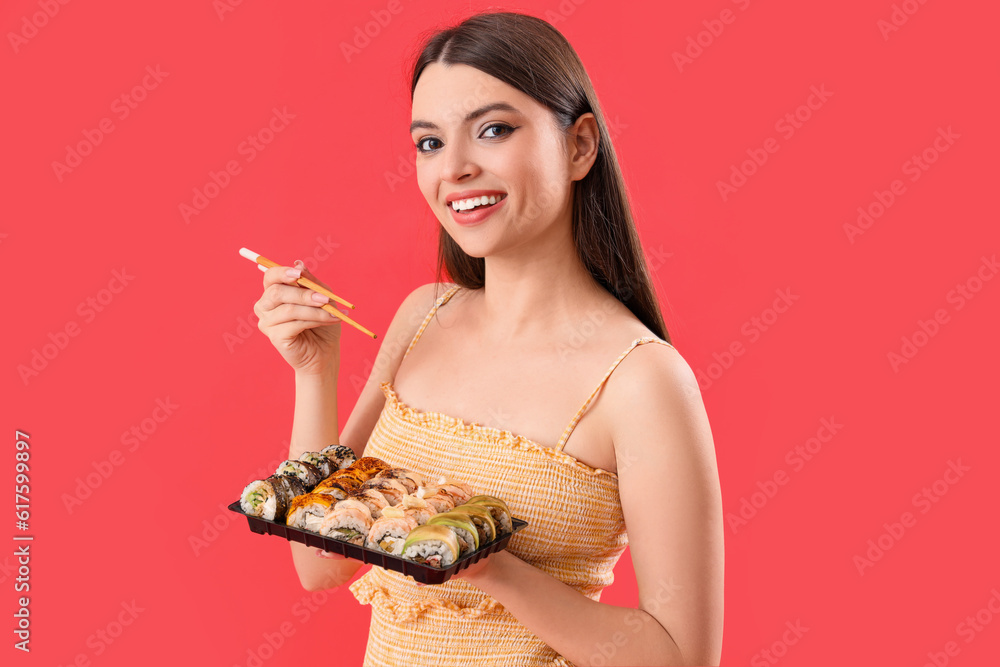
530, 55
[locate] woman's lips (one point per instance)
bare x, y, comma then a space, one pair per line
476, 215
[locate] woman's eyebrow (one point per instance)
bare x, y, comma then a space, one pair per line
469, 117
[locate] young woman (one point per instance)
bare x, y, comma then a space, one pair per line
543, 375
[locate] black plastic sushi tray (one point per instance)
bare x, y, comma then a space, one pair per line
425, 574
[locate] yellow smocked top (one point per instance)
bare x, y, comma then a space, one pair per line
575, 532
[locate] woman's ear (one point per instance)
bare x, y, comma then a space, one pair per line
584, 139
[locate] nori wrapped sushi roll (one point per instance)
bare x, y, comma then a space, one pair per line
323, 463
341, 455
307, 473
270, 498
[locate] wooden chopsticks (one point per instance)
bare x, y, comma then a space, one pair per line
316, 287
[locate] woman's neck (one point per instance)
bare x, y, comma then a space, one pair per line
534, 294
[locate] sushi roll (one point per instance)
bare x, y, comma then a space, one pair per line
411, 480
291, 486
369, 466
372, 499
498, 510
306, 512
338, 486
389, 533
261, 498
307, 473
323, 463
392, 489
418, 508
460, 492
436, 546
349, 520
441, 502
341, 455
463, 527
483, 519
269, 498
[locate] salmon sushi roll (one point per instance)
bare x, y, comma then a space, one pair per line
349, 520
389, 533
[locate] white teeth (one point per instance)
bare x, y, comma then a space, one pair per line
466, 204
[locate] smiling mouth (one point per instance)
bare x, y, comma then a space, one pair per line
476, 203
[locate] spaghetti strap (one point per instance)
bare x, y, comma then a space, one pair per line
579, 414
443, 299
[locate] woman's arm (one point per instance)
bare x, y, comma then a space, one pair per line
669, 488
314, 425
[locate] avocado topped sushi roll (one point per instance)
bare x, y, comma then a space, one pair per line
498, 510
463, 527
436, 546
483, 519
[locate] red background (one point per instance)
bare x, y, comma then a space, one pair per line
179, 330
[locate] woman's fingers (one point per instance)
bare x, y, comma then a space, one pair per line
278, 294
306, 273
289, 330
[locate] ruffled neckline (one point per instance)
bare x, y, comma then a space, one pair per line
476, 431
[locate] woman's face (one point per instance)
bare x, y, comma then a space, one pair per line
477, 136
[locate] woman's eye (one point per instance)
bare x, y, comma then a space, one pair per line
422, 144
504, 130
494, 131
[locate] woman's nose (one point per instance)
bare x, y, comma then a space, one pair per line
458, 164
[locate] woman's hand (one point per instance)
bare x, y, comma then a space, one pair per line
482, 569
292, 317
